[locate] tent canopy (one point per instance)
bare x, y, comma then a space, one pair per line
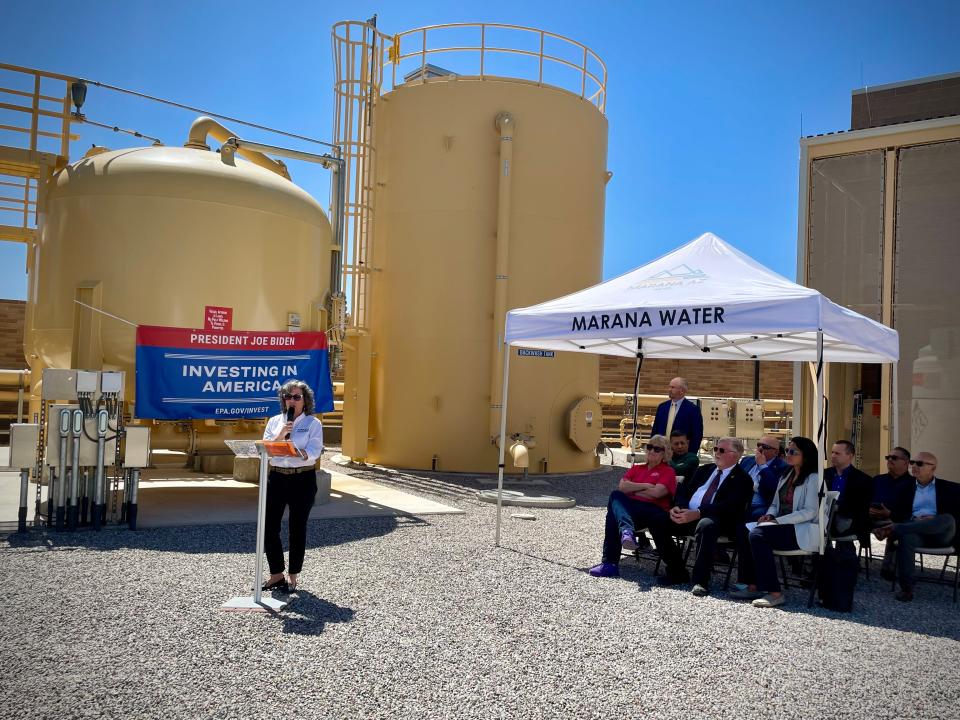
705, 300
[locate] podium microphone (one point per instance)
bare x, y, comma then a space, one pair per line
291, 412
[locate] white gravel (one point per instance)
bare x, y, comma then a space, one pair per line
403, 617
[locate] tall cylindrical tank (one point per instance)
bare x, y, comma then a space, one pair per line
155, 234
432, 315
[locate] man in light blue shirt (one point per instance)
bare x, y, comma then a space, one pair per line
924, 515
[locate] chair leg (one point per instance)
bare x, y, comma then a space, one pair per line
813, 580
783, 573
867, 553
733, 560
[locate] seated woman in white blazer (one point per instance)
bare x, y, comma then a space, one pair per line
791, 523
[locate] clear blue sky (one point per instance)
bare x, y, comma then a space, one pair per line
704, 98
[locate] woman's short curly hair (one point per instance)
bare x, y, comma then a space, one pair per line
287, 389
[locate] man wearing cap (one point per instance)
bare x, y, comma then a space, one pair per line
764, 467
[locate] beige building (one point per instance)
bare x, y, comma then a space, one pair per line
879, 225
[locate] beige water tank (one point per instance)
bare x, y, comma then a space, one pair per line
153, 235
435, 244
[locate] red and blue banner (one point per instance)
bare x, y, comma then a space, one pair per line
188, 374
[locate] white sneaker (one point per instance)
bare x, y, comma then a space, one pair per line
769, 601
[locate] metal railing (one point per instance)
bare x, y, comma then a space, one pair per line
34, 131
590, 72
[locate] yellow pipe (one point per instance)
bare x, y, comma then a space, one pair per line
204, 126
505, 125
15, 378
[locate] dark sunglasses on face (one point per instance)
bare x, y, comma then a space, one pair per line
761, 446
920, 463
792, 451
891, 458
720, 450
288, 396
654, 448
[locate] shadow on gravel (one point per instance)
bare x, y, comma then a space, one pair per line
204, 539
309, 614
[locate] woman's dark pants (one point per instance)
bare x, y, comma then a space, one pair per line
298, 492
626, 514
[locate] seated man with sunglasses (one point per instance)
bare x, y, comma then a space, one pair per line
643, 497
707, 506
764, 467
925, 514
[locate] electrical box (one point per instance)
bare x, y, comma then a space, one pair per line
136, 452
749, 419
111, 382
86, 381
59, 384
23, 445
716, 417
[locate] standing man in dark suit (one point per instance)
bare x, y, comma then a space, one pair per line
926, 513
764, 467
709, 505
852, 515
678, 413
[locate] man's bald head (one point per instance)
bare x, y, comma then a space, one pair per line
923, 466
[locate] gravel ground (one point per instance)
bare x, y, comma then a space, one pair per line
408, 617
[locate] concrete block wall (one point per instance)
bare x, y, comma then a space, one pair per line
12, 314
717, 378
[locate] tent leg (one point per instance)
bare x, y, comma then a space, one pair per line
821, 427
896, 408
503, 440
636, 397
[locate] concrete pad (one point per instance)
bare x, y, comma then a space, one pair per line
170, 497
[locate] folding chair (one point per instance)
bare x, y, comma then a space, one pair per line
829, 500
946, 552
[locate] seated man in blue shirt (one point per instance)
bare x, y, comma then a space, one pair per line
887, 487
925, 514
852, 514
764, 467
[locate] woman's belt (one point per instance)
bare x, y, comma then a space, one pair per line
293, 470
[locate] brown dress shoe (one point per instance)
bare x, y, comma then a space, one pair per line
882, 533
905, 595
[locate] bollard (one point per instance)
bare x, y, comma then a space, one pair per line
22, 515
132, 504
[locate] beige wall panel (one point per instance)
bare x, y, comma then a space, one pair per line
435, 250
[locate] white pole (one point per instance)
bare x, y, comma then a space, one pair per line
261, 514
503, 433
821, 428
896, 407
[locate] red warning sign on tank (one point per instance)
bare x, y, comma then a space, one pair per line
217, 318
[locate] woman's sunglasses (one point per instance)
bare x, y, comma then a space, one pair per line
288, 396
793, 451
655, 448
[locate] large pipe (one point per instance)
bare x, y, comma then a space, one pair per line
204, 126
505, 126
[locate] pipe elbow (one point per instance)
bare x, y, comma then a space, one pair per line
520, 455
504, 123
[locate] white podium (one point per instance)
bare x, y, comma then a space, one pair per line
264, 450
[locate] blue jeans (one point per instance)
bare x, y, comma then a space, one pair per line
626, 514
757, 563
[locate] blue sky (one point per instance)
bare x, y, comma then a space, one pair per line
704, 98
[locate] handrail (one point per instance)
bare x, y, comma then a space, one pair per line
591, 85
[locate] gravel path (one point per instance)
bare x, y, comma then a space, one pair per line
403, 617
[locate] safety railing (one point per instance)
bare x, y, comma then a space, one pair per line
34, 131
496, 50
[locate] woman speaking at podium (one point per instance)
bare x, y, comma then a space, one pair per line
292, 481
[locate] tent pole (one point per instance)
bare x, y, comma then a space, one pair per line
503, 433
821, 427
636, 396
896, 408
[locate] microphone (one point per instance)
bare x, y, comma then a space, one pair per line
291, 412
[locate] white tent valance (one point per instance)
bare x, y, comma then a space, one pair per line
705, 300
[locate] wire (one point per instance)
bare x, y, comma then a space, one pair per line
208, 112
83, 118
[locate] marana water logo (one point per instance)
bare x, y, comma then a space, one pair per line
679, 275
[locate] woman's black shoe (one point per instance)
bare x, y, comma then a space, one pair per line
279, 585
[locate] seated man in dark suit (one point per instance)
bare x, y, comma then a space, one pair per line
764, 467
852, 514
683, 462
678, 413
887, 488
710, 504
926, 513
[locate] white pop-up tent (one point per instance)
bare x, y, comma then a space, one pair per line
706, 300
